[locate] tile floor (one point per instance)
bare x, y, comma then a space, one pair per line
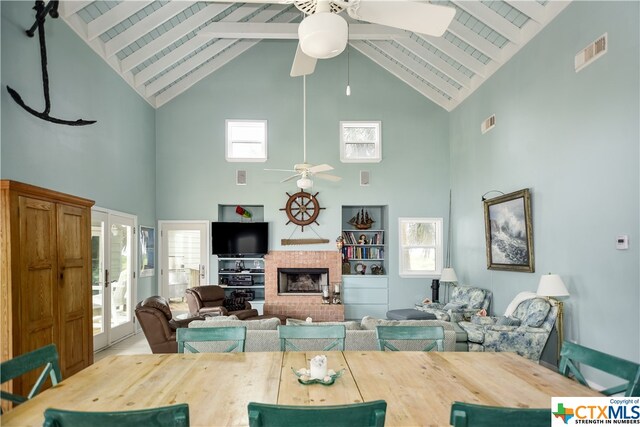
135, 344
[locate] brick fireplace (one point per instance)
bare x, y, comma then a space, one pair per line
301, 306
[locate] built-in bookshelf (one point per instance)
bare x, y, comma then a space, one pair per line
364, 249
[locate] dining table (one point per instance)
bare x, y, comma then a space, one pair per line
419, 387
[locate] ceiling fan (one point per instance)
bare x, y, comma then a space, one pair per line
323, 33
306, 171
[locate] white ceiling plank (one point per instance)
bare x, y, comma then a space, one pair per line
78, 25
437, 62
113, 17
69, 7
288, 31
145, 25
192, 63
418, 68
188, 47
236, 50
402, 74
490, 18
171, 36
455, 53
225, 57
472, 38
531, 8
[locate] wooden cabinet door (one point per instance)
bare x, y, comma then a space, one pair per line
74, 290
38, 280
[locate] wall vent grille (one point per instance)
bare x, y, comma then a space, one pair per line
592, 52
488, 124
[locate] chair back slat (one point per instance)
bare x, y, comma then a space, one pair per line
45, 357
471, 415
573, 355
368, 414
435, 334
237, 334
166, 416
337, 333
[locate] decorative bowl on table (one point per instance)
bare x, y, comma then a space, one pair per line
304, 376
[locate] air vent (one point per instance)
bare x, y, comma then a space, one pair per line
592, 52
488, 124
241, 177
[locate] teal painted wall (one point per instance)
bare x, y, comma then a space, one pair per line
412, 179
573, 139
112, 161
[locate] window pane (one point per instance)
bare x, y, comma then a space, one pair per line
360, 151
418, 234
246, 150
360, 134
419, 259
247, 132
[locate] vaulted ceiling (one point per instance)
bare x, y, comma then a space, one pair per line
162, 48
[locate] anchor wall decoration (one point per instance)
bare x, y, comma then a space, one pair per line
42, 11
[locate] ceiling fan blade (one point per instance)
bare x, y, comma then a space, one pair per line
320, 168
423, 18
327, 177
290, 178
303, 64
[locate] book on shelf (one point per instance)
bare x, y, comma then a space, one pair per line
350, 238
362, 252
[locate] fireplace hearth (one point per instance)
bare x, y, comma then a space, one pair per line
302, 281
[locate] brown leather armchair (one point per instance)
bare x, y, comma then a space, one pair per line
208, 299
158, 325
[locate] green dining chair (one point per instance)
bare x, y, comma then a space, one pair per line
368, 414
238, 334
573, 354
313, 332
471, 415
45, 357
166, 416
394, 333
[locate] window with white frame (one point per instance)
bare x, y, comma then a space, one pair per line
420, 247
246, 141
360, 142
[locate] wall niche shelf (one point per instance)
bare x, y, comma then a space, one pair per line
364, 247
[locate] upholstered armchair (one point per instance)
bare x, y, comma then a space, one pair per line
158, 324
525, 332
210, 299
465, 301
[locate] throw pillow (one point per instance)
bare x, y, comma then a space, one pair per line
348, 325
455, 306
234, 304
370, 323
507, 321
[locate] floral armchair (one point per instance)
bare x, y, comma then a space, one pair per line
465, 301
525, 332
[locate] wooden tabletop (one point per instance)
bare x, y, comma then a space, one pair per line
418, 387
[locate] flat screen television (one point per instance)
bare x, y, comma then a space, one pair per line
239, 238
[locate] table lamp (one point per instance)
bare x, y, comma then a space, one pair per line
448, 276
552, 286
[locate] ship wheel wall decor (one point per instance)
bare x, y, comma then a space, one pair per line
302, 208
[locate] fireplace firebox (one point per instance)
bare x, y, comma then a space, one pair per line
302, 281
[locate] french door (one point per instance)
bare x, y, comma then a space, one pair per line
113, 249
184, 257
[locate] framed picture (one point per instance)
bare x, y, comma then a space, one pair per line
509, 232
147, 251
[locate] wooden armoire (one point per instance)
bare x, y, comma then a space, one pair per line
45, 275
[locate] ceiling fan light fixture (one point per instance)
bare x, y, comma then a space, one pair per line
323, 35
304, 183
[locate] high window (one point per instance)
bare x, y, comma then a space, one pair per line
246, 141
360, 142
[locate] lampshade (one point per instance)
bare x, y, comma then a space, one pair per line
551, 285
304, 183
323, 35
448, 275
